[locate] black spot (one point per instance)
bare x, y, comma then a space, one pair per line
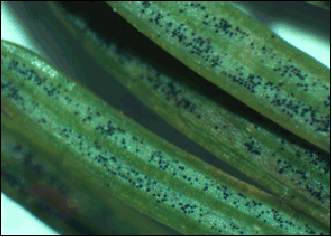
252, 147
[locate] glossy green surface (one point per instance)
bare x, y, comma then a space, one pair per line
100, 147
242, 57
297, 174
66, 204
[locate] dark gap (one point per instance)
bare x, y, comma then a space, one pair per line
126, 36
